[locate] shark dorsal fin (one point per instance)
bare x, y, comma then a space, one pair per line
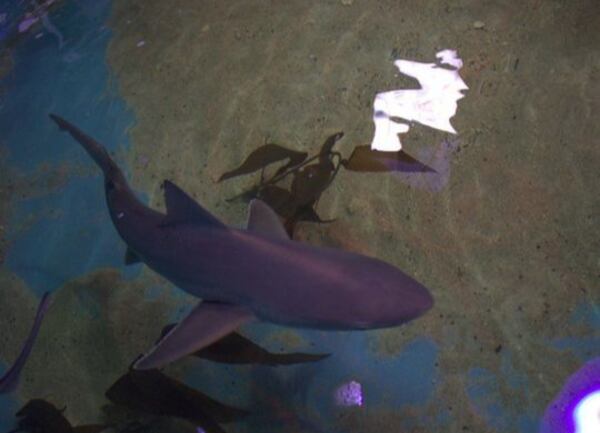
182, 209
263, 220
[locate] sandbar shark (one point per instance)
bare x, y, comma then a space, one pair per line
243, 275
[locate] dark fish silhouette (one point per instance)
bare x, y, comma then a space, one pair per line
237, 349
247, 275
263, 156
365, 159
154, 393
40, 416
10, 380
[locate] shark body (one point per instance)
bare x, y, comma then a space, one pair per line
244, 275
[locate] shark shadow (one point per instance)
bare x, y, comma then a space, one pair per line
40, 416
237, 349
152, 392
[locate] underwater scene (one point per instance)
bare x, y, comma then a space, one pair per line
301, 216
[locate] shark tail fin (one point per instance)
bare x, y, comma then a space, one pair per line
96, 150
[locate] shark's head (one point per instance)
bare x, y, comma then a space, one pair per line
386, 297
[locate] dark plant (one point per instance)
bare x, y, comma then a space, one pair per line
312, 176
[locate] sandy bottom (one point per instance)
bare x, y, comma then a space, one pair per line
509, 246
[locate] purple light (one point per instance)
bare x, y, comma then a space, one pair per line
200, 430
349, 394
579, 399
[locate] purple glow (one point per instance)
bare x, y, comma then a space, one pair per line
569, 412
587, 414
200, 430
349, 394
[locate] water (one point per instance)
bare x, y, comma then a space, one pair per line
503, 233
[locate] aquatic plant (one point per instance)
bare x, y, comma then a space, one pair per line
312, 176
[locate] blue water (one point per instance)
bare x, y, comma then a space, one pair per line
388, 382
584, 348
72, 82
483, 390
57, 246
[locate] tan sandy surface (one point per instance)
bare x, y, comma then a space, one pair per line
509, 248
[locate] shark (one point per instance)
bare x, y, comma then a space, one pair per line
256, 273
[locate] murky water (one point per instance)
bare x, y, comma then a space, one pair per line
503, 232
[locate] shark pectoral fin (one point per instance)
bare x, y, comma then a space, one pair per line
183, 209
131, 257
263, 220
207, 323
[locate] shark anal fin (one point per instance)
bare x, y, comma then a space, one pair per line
131, 257
206, 323
263, 220
183, 209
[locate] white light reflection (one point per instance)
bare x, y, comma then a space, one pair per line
349, 394
433, 105
587, 414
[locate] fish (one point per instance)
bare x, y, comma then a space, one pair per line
40, 416
155, 393
237, 349
10, 379
245, 275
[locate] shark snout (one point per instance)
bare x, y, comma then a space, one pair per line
396, 298
404, 305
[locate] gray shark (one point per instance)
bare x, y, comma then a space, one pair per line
246, 275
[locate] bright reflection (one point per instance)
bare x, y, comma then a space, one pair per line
432, 105
576, 408
587, 414
349, 394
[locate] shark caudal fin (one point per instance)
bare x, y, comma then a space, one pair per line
92, 147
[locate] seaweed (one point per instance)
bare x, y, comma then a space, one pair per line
237, 349
312, 176
264, 156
